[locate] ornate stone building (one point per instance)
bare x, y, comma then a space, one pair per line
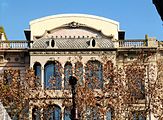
67, 40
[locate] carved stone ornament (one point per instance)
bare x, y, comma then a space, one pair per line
74, 24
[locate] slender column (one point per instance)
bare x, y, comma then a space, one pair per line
62, 112
30, 112
42, 113
42, 77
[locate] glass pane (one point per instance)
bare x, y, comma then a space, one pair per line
52, 113
53, 76
94, 74
79, 72
67, 74
58, 76
36, 114
92, 114
49, 74
67, 114
37, 68
38, 71
108, 115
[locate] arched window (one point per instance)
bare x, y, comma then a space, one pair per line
36, 113
67, 74
53, 76
79, 72
94, 74
37, 68
52, 113
67, 114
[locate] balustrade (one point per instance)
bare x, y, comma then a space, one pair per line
25, 44
132, 43
13, 44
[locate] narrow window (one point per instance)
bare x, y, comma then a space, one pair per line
67, 113
92, 114
67, 74
36, 114
108, 71
37, 69
53, 76
109, 114
139, 115
94, 74
79, 72
52, 113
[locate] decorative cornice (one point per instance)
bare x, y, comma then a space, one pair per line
72, 53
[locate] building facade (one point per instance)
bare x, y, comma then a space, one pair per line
65, 41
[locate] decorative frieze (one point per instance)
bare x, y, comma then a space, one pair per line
73, 53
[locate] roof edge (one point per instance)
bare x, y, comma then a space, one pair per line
73, 15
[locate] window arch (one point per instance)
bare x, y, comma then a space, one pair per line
52, 113
67, 74
53, 75
37, 68
79, 72
94, 74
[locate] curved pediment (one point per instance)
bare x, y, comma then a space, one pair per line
73, 30
70, 23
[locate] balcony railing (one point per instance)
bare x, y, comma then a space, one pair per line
132, 43
25, 44
14, 44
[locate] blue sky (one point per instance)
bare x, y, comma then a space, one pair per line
136, 17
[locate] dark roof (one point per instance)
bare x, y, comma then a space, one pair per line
72, 43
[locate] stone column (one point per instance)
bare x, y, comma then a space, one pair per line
30, 112
42, 77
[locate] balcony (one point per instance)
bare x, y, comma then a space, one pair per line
132, 43
14, 44
140, 43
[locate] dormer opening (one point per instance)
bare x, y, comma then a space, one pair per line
52, 43
93, 43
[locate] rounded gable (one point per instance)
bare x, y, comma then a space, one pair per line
106, 26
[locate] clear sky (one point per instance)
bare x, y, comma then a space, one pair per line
136, 17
